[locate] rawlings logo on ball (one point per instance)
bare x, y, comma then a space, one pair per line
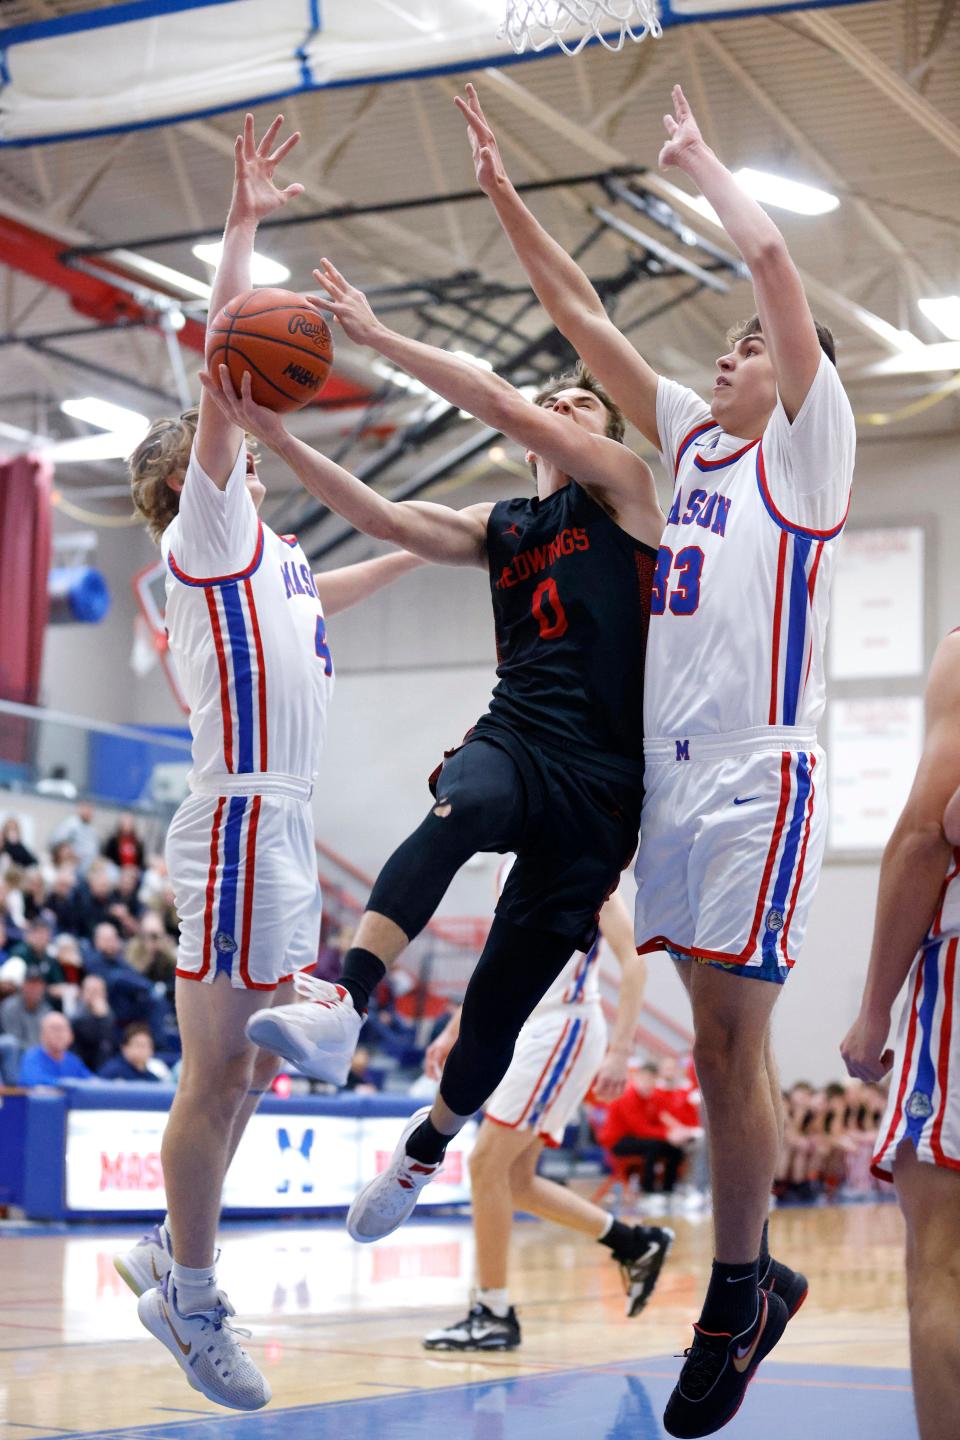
307, 325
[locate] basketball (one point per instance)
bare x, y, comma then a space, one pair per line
286, 346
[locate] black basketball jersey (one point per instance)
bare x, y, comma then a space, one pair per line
571, 603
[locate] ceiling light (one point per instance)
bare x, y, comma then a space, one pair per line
104, 415
944, 312
165, 274
774, 190
109, 445
263, 270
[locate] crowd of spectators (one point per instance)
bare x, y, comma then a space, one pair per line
88, 947
829, 1139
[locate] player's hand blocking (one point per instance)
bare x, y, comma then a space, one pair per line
487, 159
255, 195
346, 303
683, 130
242, 409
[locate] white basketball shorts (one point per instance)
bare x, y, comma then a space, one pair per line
243, 866
556, 1058
924, 1101
731, 844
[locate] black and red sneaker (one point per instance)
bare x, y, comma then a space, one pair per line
718, 1369
790, 1285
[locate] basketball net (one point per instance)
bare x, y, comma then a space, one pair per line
535, 24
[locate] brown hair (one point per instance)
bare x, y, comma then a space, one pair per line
164, 451
580, 379
753, 327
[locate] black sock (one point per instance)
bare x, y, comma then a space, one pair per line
621, 1239
361, 974
731, 1303
764, 1262
426, 1144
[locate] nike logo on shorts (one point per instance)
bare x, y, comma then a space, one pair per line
746, 799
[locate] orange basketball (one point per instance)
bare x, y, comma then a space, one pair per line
283, 342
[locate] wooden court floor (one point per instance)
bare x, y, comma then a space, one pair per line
337, 1328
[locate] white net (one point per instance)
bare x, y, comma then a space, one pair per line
571, 24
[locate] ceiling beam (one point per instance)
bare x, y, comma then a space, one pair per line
827, 31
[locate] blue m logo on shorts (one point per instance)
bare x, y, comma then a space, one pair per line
683, 749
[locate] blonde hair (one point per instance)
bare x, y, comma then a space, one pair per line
163, 452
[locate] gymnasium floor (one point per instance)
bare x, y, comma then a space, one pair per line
337, 1328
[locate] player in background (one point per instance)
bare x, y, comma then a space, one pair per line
552, 771
247, 627
915, 939
561, 1053
734, 814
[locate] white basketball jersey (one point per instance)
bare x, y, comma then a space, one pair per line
946, 922
247, 634
578, 983
742, 587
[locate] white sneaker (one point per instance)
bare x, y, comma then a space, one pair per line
384, 1203
318, 1035
205, 1347
147, 1263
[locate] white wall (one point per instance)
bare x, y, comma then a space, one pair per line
415, 667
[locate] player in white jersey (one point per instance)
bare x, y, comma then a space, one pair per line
247, 633
915, 940
561, 1051
733, 816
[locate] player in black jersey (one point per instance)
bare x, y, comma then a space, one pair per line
553, 770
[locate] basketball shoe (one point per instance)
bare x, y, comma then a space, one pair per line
718, 1369
640, 1271
385, 1202
204, 1345
318, 1034
147, 1263
790, 1285
479, 1330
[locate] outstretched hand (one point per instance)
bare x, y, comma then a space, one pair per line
349, 306
487, 159
683, 131
611, 1078
242, 409
254, 193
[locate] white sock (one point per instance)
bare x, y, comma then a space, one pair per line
606, 1229
194, 1289
496, 1300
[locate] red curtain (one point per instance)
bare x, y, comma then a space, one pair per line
25, 533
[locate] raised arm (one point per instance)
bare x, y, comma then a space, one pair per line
433, 532
912, 871
785, 316
254, 196
616, 927
339, 589
592, 459
561, 286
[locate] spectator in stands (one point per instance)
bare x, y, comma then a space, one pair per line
126, 908
12, 848
96, 897
152, 953
52, 1060
94, 1027
64, 901
63, 853
81, 833
136, 1052
132, 996
359, 1078
124, 846
33, 888
66, 953
20, 1017
34, 948
637, 1125
3, 939
11, 901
